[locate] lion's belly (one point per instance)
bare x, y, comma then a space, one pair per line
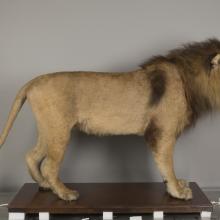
114, 120
112, 126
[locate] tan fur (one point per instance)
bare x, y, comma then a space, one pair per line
110, 104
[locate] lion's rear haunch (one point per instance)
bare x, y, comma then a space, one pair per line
158, 101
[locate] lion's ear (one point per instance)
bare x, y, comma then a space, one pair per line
215, 61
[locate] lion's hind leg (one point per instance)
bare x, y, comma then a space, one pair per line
57, 141
34, 159
55, 119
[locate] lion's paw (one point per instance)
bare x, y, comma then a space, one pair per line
185, 193
69, 195
182, 191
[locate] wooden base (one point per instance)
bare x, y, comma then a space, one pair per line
120, 198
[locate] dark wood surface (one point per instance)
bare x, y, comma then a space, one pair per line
120, 198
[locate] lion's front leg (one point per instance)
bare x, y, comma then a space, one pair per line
162, 146
163, 156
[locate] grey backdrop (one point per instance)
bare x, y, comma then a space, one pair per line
43, 36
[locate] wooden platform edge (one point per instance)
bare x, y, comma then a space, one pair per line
14, 205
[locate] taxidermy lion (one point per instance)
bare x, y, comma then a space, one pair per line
158, 101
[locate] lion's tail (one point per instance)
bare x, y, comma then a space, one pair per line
18, 103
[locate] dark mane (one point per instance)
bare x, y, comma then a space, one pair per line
191, 59
187, 54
